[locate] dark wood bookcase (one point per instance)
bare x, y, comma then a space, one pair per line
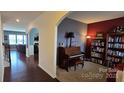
98, 46
115, 47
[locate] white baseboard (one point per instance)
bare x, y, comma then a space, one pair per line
1, 73
53, 76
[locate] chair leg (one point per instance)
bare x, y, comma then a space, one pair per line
67, 69
67, 65
75, 67
82, 64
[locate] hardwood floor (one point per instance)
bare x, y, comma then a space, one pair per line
25, 70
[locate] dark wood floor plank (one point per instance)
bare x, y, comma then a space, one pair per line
25, 70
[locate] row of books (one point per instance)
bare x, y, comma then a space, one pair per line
113, 59
97, 60
115, 53
97, 49
116, 45
100, 37
97, 43
94, 54
116, 39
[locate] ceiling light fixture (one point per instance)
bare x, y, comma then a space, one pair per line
17, 20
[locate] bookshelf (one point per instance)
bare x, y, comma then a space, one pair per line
98, 49
115, 47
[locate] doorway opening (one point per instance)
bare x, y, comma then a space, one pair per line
72, 65
34, 44
13, 41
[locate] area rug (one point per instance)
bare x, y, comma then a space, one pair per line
91, 72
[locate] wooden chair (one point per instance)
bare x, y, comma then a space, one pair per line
79, 61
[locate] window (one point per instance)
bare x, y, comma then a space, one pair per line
19, 39
24, 39
12, 39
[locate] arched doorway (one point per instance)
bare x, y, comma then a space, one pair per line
47, 40
34, 43
75, 43
56, 39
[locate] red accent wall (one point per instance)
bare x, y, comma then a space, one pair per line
103, 26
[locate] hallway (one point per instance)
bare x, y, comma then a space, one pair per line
25, 70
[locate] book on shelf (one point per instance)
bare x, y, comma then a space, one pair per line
94, 54
97, 61
115, 39
117, 42
98, 49
116, 53
115, 46
113, 59
98, 43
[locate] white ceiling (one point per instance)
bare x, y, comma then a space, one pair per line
95, 16
25, 17
9, 17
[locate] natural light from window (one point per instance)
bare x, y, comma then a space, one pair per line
12, 39
24, 39
17, 39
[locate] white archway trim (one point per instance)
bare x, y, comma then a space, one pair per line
1, 52
46, 23
56, 32
30, 48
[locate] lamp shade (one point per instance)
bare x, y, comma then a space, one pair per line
88, 36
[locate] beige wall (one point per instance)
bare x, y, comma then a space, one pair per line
1, 52
47, 26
